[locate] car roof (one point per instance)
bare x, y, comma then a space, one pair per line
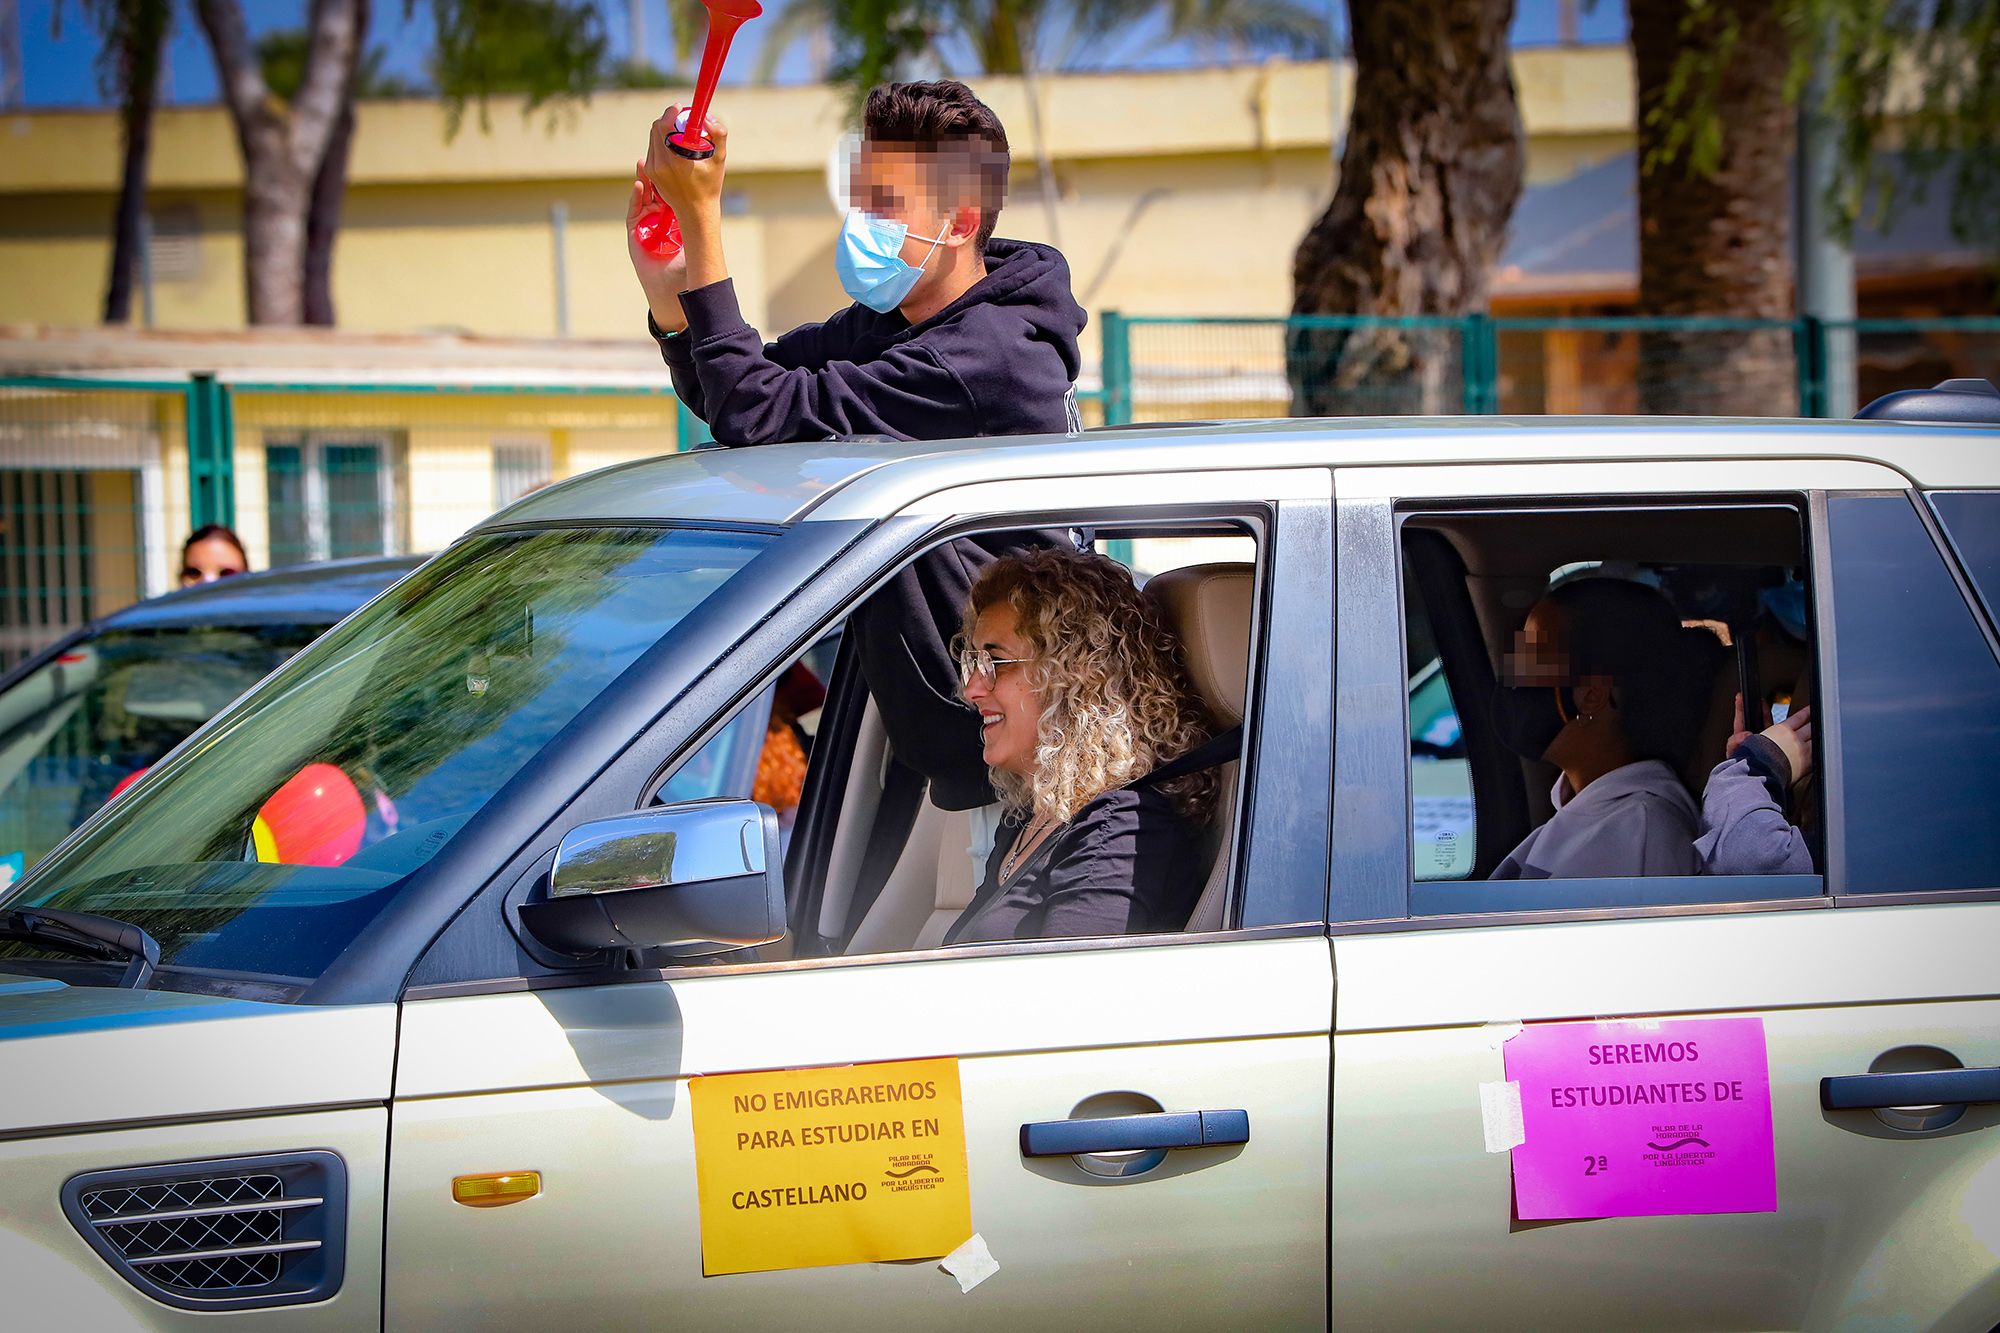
841, 479
315, 594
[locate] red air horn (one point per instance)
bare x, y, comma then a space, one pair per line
657, 230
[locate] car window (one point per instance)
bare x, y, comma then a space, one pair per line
899, 856
88, 721
763, 751
266, 853
1606, 649
1971, 521
1443, 823
1920, 708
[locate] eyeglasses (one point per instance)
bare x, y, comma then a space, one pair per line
981, 664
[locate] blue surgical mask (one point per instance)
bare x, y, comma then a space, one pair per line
869, 260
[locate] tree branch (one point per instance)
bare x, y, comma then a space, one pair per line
242, 82
335, 28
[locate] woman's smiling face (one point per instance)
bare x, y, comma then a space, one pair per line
1009, 709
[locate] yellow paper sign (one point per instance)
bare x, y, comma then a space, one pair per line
804, 1167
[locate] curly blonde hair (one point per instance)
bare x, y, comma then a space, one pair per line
1116, 700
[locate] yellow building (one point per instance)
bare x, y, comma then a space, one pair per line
515, 227
493, 264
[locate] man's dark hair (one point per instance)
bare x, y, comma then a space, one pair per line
939, 115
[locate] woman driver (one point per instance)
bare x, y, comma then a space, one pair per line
1081, 695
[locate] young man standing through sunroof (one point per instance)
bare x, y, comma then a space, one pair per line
953, 332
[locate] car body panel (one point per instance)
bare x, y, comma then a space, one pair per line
97, 1055
55, 1280
835, 480
1872, 1223
600, 1107
1876, 1225
318, 593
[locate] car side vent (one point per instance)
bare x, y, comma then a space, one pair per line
222, 1235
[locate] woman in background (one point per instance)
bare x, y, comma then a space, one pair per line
212, 552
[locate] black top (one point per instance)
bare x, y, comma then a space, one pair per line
1128, 864
999, 360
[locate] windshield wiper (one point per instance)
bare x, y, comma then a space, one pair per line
88, 934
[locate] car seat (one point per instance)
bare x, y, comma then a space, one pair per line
1210, 608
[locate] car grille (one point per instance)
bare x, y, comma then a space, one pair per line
219, 1235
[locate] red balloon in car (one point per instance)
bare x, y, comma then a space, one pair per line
316, 819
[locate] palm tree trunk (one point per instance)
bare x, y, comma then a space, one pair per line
329, 191
142, 33
1721, 244
1428, 181
282, 145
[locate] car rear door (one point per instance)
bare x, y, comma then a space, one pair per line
597, 1087
1881, 1215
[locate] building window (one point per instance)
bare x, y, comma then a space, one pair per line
519, 466
335, 496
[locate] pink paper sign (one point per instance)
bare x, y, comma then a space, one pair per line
1643, 1118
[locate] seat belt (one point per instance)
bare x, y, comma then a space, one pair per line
1214, 752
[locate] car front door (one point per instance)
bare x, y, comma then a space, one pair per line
1881, 1215
595, 1087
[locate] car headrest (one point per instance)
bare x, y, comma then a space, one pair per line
1209, 607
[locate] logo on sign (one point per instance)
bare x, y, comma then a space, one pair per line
910, 1171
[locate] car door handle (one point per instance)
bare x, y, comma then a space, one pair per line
1935, 1087
1135, 1133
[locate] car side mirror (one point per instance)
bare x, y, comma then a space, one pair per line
697, 878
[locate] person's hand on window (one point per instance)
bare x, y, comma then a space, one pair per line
1794, 737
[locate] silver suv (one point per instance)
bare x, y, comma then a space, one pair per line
442, 981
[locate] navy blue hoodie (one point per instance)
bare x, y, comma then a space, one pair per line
999, 360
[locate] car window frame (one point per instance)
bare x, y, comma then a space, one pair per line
1294, 539
1374, 855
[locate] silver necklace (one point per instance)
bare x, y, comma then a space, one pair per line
1024, 845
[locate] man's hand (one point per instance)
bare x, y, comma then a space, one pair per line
692, 188
1794, 737
663, 280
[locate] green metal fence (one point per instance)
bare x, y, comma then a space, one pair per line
102, 478
1162, 368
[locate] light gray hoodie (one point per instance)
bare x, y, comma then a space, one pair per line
1635, 820
1743, 832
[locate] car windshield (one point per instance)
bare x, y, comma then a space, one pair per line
77, 728
261, 853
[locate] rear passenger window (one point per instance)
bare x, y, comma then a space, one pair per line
1920, 704
1573, 681
1972, 523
